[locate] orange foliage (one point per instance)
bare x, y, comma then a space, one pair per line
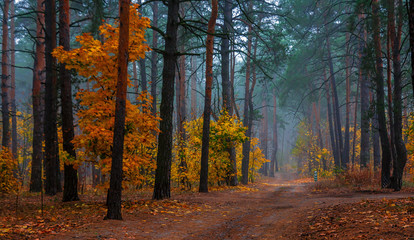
97, 61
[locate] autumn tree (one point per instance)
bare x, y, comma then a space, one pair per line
115, 187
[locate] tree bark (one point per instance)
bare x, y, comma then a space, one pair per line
410, 10
13, 81
246, 113
164, 154
331, 127
401, 151
335, 107
226, 84
273, 163
38, 78
364, 154
70, 190
207, 101
154, 56
355, 120
52, 184
264, 139
4, 77
348, 94
115, 187
193, 89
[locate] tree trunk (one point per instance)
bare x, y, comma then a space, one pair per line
335, 106
348, 94
4, 78
401, 158
389, 98
246, 113
154, 69
207, 101
38, 78
13, 81
410, 10
273, 163
331, 127
271, 171
52, 185
226, 84
115, 187
181, 102
355, 120
364, 154
70, 190
193, 89
164, 155
318, 132
135, 81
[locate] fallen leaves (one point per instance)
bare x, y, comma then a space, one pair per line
390, 218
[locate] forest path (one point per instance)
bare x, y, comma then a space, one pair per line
276, 208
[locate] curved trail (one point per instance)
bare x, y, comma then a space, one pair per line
277, 210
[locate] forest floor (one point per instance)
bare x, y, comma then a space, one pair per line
283, 207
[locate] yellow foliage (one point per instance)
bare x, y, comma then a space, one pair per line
256, 159
309, 153
8, 169
98, 62
226, 132
409, 132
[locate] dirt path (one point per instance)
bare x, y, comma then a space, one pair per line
274, 209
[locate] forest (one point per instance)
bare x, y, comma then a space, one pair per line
194, 119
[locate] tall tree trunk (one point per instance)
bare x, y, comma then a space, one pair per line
115, 187
193, 88
390, 41
181, 102
400, 161
13, 81
355, 120
330, 122
335, 106
226, 84
4, 78
271, 171
207, 101
246, 113
273, 163
38, 78
318, 132
348, 94
410, 10
70, 190
164, 154
154, 69
365, 153
52, 185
